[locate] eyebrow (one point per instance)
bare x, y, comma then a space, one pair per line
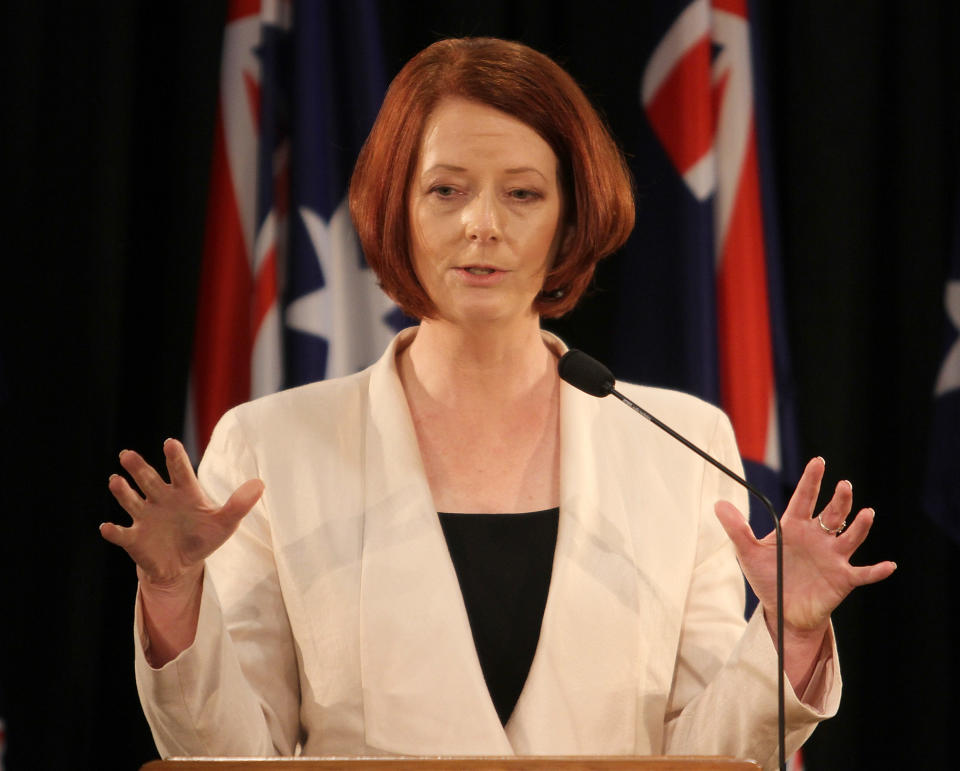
461, 169
522, 169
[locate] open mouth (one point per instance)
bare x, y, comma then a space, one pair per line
479, 271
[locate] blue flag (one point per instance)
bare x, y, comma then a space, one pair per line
706, 238
285, 296
942, 493
337, 318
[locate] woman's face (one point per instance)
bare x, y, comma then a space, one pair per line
485, 213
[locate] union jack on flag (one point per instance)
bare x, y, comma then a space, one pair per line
700, 97
700, 100
285, 296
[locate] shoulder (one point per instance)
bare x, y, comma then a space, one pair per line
318, 397
681, 411
294, 422
695, 418
324, 401
322, 417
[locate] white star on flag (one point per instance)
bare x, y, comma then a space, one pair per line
350, 311
949, 377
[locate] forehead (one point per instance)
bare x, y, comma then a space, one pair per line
460, 130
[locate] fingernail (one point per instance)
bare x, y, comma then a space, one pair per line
122, 452
848, 483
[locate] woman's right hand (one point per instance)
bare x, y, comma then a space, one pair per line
175, 525
175, 528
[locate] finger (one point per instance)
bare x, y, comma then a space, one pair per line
870, 574
125, 495
836, 511
178, 464
242, 500
736, 526
118, 536
856, 532
804, 497
148, 480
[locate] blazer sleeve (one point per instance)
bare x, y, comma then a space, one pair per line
723, 700
235, 690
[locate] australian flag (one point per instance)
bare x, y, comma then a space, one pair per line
942, 493
285, 296
706, 230
706, 233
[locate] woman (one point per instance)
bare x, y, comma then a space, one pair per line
334, 612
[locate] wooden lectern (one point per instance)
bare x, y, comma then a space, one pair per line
609, 763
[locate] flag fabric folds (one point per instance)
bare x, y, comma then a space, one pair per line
714, 222
285, 296
700, 96
942, 490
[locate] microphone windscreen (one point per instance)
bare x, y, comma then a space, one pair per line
586, 373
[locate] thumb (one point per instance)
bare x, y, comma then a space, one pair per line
736, 526
242, 500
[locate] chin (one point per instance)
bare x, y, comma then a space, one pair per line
492, 313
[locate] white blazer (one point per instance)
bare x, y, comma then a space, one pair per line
332, 621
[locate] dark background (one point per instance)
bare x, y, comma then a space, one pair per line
107, 129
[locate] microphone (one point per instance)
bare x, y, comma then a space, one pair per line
590, 376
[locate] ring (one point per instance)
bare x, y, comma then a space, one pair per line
830, 530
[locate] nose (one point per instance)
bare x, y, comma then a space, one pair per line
482, 220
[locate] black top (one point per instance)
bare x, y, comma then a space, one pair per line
503, 564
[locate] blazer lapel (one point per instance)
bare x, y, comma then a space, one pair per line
580, 694
423, 688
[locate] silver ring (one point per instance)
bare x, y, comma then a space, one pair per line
830, 530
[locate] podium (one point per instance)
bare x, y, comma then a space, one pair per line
513, 763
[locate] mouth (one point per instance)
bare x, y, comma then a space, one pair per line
480, 270
481, 275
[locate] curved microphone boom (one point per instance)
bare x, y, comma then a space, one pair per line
590, 376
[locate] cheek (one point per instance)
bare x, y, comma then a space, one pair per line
425, 231
548, 241
419, 239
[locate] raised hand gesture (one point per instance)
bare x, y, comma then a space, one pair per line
175, 526
816, 561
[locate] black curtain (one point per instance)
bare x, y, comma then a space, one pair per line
106, 144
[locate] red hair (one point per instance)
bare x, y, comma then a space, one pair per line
529, 86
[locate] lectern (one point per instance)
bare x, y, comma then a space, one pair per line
617, 763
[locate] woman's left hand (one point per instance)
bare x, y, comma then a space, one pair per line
816, 563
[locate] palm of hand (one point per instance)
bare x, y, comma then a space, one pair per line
175, 526
817, 570
175, 530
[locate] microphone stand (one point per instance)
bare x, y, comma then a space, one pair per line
781, 721
590, 376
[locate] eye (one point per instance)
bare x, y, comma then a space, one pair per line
523, 194
443, 191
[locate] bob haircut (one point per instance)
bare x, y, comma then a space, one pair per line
523, 83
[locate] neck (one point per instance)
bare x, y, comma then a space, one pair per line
451, 363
